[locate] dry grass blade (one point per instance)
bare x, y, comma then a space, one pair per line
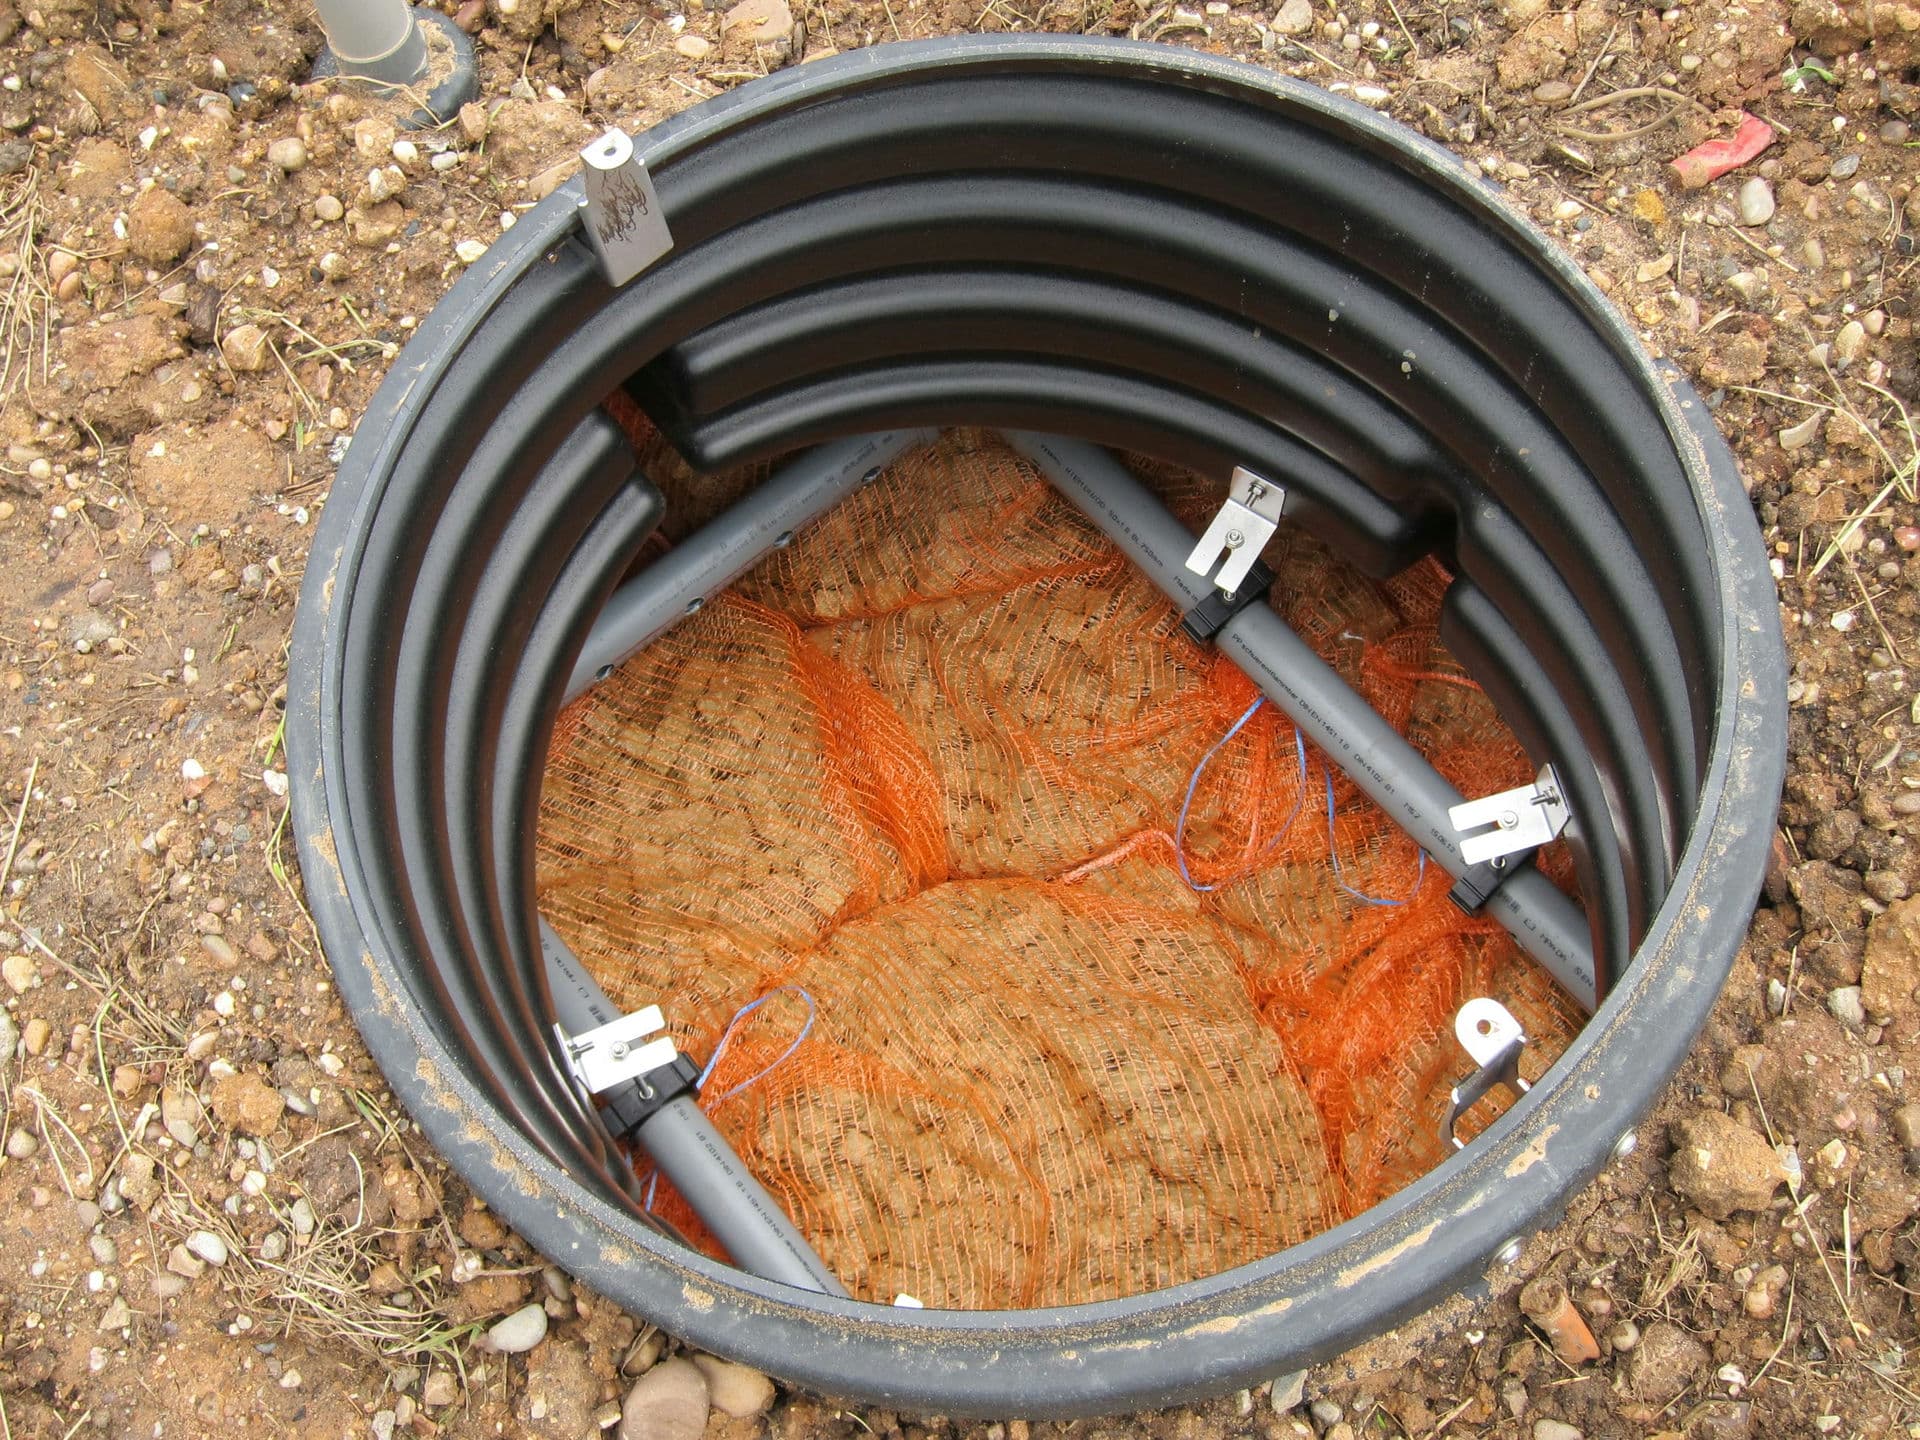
1683, 1266
1903, 472
26, 295
19, 819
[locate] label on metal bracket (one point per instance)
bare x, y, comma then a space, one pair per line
623, 220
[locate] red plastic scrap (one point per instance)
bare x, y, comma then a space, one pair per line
1715, 158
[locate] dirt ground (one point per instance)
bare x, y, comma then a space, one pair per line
215, 1216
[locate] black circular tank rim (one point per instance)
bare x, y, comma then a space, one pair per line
1301, 1306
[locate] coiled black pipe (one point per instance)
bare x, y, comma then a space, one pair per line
1146, 248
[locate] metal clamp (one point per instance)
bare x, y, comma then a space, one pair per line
1240, 530
1494, 1041
619, 1051
623, 218
1519, 819
1218, 607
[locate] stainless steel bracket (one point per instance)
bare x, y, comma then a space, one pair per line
619, 1051
1494, 1041
1514, 820
1240, 530
623, 218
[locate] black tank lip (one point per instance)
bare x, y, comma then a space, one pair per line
1207, 1336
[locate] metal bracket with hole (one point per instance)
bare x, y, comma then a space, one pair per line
1240, 530
623, 218
1514, 820
1494, 1041
619, 1051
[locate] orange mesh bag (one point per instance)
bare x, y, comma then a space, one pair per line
1106, 981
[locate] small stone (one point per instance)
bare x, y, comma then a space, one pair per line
20, 973
246, 1103
1665, 1362
468, 251
1844, 1004
184, 1263
1796, 437
1289, 1391
385, 183
669, 1402
1623, 1337
373, 138
1294, 17
208, 1246
165, 1287
1554, 1430
1895, 132
103, 1249
10, 1035
328, 208
1326, 1412
693, 47
1906, 1125
289, 154
738, 1390
23, 1145
180, 1113
1851, 343
406, 154
1755, 202
441, 1389
1890, 967
274, 1246
118, 1315
474, 122
159, 226
245, 348
1552, 92
1845, 168
519, 1332
1721, 1165
1655, 269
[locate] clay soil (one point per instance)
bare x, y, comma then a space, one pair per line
213, 1215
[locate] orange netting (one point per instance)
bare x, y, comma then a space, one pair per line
927, 765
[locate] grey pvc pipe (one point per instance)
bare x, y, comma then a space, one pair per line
695, 1156
375, 39
733, 1205
678, 583
1355, 736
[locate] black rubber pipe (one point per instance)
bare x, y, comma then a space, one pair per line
1613, 596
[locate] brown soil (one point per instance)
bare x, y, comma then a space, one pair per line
179, 381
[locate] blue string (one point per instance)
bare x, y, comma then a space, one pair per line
741, 1014
1180, 828
1333, 853
726, 1037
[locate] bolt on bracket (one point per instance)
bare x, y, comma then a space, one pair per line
1524, 818
619, 1051
1240, 530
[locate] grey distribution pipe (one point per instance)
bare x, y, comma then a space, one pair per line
1355, 736
375, 39
691, 1153
678, 583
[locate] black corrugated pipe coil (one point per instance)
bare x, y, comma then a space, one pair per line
1142, 247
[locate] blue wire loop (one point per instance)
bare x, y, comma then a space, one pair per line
1333, 853
1300, 795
